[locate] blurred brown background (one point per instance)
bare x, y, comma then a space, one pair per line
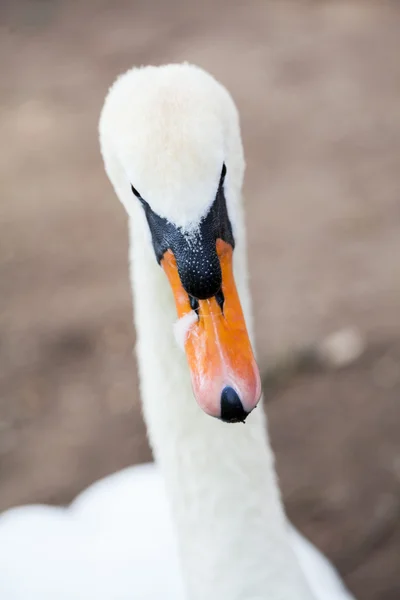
317, 85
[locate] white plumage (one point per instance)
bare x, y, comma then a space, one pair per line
115, 542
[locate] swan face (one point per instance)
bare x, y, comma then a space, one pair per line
171, 145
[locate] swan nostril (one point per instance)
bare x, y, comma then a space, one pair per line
194, 304
220, 298
232, 410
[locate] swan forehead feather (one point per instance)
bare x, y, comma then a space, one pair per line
167, 130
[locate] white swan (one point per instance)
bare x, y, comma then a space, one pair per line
168, 131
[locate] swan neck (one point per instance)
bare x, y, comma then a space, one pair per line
220, 479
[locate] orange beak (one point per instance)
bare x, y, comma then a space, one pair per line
225, 376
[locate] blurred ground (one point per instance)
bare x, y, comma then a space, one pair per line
318, 85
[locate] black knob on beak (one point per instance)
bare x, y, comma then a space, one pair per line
232, 410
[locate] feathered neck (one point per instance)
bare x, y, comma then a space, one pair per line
220, 478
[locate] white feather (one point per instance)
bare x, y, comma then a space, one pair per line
182, 328
115, 542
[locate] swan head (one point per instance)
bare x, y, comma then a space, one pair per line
171, 144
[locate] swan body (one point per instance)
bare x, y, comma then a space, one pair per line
212, 525
116, 541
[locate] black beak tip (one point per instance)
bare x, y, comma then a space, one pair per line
232, 410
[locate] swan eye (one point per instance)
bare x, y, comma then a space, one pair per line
136, 193
223, 173
138, 196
